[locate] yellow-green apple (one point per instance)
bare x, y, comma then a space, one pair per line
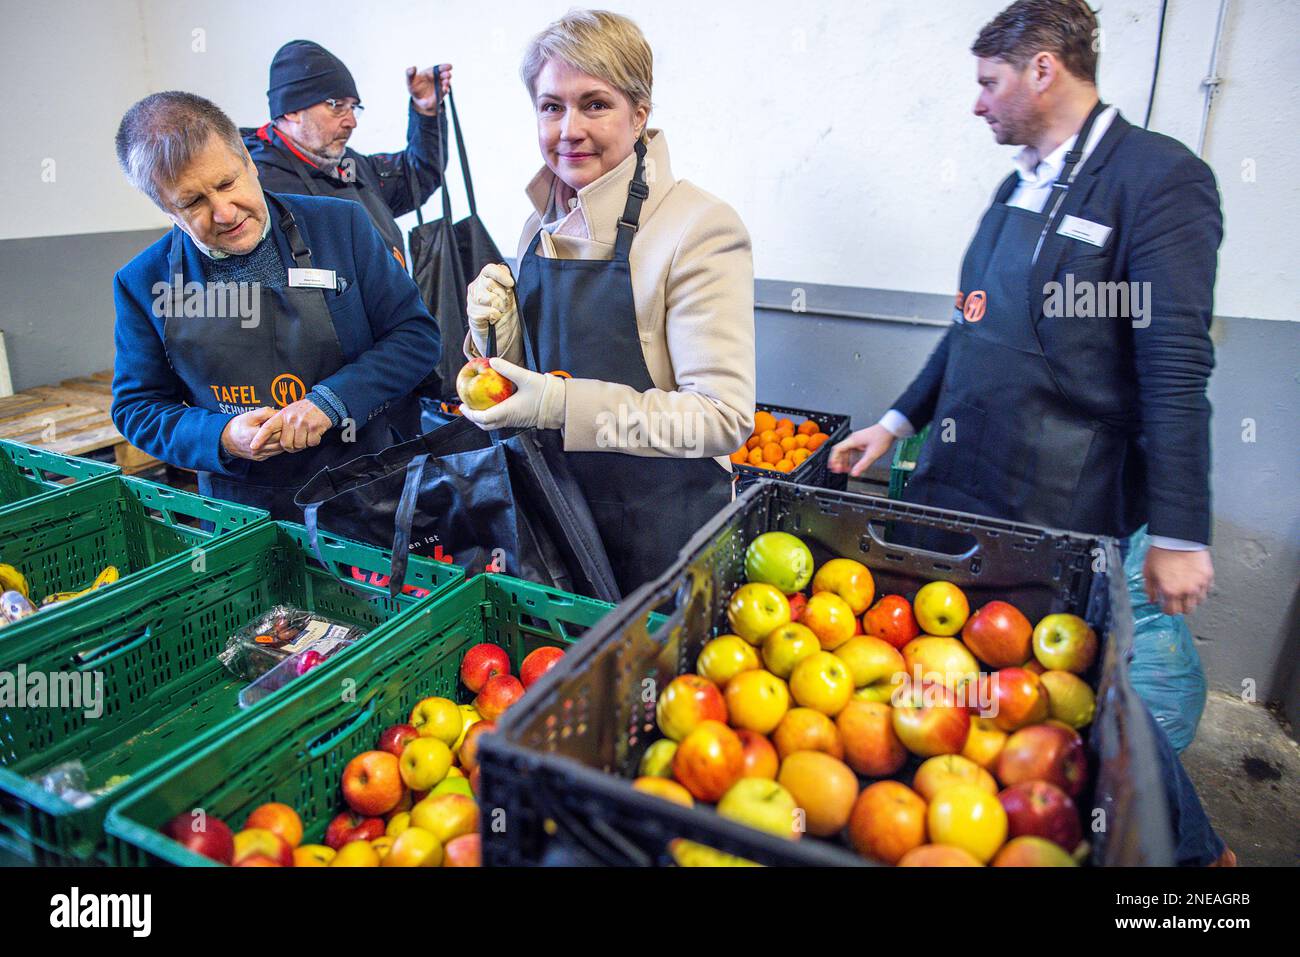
657, 762
830, 618
396, 738
450, 785
709, 760
537, 662
761, 760
1044, 752
944, 661
999, 635
786, 646
824, 788
279, 819
446, 816
941, 609
424, 763
1065, 643
939, 772
469, 717
438, 718
1042, 810
969, 817
686, 702
888, 820
1017, 699
349, 826
259, 841
822, 682
498, 694
850, 580
414, 847
871, 661
468, 753
756, 701
355, 854
480, 386
202, 834
755, 609
382, 846
665, 788
803, 729
372, 783
891, 619
763, 804
725, 657
938, 855
984, 743
482, 662
929, 721
398, 823
779, 559
463, 851
1069, 699
313, 855
870, 745
1029, 851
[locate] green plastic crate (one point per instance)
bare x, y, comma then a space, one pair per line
906, 453
28, 472
155, 645
295, 752
62, 541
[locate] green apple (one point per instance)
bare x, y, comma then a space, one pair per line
1065, 643
657, 762
762, 804
453, 786
786, 646
780, 559
1069, 698
755, 609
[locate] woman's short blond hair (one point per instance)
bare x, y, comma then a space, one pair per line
605, 45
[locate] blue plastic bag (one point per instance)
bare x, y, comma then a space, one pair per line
1165, 669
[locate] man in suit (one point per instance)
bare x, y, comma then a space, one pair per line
1069, 391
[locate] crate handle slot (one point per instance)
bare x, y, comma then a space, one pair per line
85, 660
873, 529
340, 731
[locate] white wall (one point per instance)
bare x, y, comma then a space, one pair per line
841, 130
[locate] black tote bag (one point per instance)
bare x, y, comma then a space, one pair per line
446, 256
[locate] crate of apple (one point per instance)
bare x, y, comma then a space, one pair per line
410, 802
915, 731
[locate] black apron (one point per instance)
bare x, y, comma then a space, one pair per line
581, 316
227, 366
1005, 440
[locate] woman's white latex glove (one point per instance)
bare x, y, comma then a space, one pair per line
490, 301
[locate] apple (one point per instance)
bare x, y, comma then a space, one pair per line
941, 609
446, 816
356, 854
414, 847
688, 701
1069, 699
259, 860
424, 763
349, 826
888, 820
498, 694
307, 661
260, 841
468, 753
871, 661
1065, 643
313, 855
469, 717
463, 851
395, 739
1042, 810
891, 619
450, 785
382, 846
725, 657
798, 602
475, 777
690, 854
984, 743
202, 834
822, 682
1044, 752
657, 762
786, 646
969, 817
755, 609
665, 788
946, 661
482, 662
938, 855
756, 701
823, 787
928, 720
398, 823
1017, 699
1030, 851
761, 760
779, 559
830, 618
480, 386
999, 635
372, 783
709, 760
537, 663
278, 819
803, 729
871, 747
762, 804
849, 580
943, 770
438, 718
1034, 666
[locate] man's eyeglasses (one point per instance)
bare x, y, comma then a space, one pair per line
339, 107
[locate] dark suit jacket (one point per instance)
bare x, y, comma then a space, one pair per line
1162, 204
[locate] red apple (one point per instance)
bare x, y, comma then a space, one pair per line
761, 760
498, 694
468, 753
798, 602
1044, 752
480, 386
1065, 643
686, 702
463, 851
202, 834
709, 761
1017, 698
999, 635
892, 619
929, 721
537, 663
279, 819
258, 841
482, 662
1042, 810
1030, 851
871, 747
888, 821
348, 827
395, 739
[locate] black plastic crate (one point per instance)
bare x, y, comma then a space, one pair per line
565, 786
814, 470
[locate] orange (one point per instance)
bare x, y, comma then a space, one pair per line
741, 457
785, 465
773, 453
798, 455
754, 441
756, 457
784, 431
764, 421
808, 427
787, 444
815, 441
784, 423
801, 440
766, 465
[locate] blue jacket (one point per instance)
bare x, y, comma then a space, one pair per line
389, 340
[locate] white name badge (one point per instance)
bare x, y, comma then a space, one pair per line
312, 278
1082, 229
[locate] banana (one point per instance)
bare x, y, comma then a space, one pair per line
11, 579
106, 577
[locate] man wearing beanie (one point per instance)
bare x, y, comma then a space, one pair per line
314, 105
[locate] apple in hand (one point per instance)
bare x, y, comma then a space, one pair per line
891, 619
498, 694
537, 663
941, 609
482, 662
779, 559
709, 760
850, 580
688, 701
999, 635
762, 804
396, 738
202, 834
480, 386
1065, 643
755, 609
1042, 810
372, 783
348, 827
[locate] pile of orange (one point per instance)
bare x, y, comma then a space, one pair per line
778, 444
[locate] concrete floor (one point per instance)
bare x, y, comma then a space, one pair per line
1246, 768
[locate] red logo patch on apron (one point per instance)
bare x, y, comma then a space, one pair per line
287, 389
973, 310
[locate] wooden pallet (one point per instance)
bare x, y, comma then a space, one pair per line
71, 418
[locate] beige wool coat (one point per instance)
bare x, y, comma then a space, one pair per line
693, 286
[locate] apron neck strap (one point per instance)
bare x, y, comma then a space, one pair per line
300, 251
637, 191
1070, 170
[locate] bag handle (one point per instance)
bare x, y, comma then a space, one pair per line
442, 163
402, 521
